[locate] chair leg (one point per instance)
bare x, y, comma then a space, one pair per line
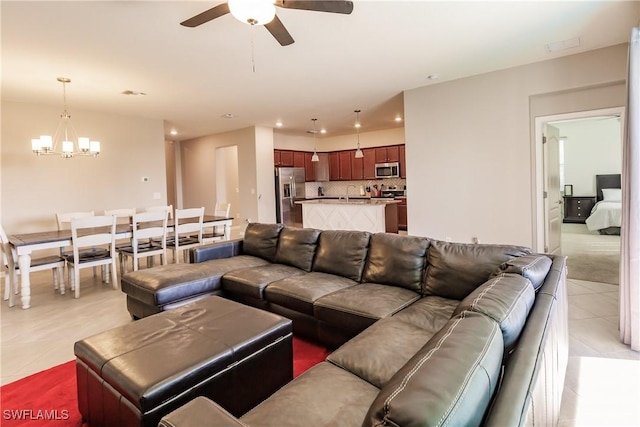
54, 272
114, 275
71, 277
7, 286
105, 274
60, 274
76, 278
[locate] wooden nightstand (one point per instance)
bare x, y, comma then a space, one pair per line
577, 209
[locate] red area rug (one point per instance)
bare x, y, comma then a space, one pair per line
49, 398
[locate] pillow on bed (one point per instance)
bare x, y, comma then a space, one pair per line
612, 194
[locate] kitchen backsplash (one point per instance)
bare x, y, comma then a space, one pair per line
339, 188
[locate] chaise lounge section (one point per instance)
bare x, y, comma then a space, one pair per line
427, 332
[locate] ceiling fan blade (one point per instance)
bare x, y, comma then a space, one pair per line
277, 30
333, 6
207, 15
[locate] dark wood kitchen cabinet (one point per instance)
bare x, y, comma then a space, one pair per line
334, 166
403, 161
387, 154
345, 164
283, 158
402, 214
309, 168
298, 159
577, 209
369, 163
357, 167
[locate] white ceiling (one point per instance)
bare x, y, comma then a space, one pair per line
338, 63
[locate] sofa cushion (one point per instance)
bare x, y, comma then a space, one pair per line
365, 357
456, 269
252, 281
324, 396
396, 260
300, 292
534, 267
449, 381
342, 253
429, 313
507, 299
297, 247
261, 240
166, 284
360, 306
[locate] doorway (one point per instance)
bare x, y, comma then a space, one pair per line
589, 144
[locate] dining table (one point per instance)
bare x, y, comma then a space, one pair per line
26, 243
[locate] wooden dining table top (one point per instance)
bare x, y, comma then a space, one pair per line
24, 239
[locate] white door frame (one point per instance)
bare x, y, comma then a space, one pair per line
538, 169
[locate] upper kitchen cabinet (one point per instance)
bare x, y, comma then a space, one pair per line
298, 159
334, 166
403, 161
283, 158
309, 169
345, 164
369, 163
357, 167
387, 154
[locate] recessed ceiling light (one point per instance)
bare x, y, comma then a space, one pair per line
323, 130
173, 132
228, 116
279, 123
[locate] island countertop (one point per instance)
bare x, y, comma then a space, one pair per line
350, 201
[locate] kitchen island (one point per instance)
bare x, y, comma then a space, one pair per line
373, 215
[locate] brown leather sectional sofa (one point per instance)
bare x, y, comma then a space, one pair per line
427, 332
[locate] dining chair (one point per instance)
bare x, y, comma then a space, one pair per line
144, 227
123, 216
11, 269
94, 244
187, 232
168, 208
212, 233
64, 223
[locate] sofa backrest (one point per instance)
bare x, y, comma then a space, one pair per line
454, 270
450, 381
396, 260
297, 247
506, 299
534, 267
342, 253
261, 240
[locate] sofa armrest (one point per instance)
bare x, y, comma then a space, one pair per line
225, 249
200, 412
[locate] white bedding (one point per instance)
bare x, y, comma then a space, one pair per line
605, 214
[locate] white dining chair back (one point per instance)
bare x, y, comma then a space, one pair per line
187, 231
168, 208
145, 228
94, 241
212, 233
123, 216
11, 269
64, 218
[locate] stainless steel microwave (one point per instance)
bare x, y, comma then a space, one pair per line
388, 170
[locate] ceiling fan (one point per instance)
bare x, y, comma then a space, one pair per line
263, 12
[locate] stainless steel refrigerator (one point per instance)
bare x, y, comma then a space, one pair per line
289, 189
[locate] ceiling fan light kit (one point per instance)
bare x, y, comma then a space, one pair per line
263, 12
252, 12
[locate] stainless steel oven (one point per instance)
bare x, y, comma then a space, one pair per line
388, 170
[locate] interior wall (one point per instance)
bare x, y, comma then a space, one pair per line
198, 177
34, 187
591, 147
469, 177
377, 138
227, 184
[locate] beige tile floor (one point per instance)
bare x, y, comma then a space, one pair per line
602, 386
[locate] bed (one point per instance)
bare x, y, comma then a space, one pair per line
606, 215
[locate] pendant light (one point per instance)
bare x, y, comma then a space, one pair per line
359, 153
314, 157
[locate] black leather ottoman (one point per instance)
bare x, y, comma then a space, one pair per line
135, 374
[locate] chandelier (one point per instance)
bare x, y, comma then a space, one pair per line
359, 154
65, 139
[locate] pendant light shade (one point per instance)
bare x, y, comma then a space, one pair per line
314, 157
359, 153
